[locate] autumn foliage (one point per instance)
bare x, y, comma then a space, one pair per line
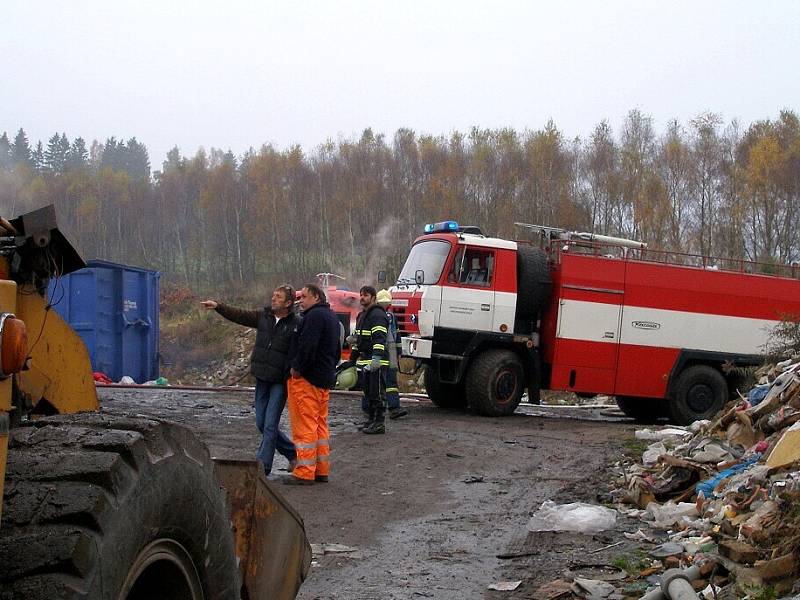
215, 222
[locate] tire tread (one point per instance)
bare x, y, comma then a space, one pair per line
69, 481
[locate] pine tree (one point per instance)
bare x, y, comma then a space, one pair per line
21, 149
5, 152
137, 161
78, 155
174, 160
110, 157
37, 158
55, 156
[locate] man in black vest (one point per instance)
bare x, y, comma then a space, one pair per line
269, 364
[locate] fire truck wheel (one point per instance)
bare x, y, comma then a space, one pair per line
495, 382
533, 281
103, 507
641, 410
443, 395
699, 393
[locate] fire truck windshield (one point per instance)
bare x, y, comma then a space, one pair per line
429, 257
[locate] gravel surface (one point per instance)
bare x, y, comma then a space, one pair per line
438, 506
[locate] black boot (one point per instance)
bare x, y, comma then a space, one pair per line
369, 417
397, 412
377, 425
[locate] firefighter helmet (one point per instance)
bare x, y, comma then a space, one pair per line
384, 297
346, 378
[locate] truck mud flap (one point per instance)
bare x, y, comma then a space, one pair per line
271, 545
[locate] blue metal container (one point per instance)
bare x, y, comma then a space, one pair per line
114, 308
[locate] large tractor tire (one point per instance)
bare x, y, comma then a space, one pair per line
100, 507
495, 383
533, 282
642, 410
699, 393
443, 395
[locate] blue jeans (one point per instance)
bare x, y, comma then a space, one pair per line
270, 401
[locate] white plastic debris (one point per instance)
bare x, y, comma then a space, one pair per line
650, 456
667, 515
660, 435
127, 380
593, 589
639, 536
576, 516
505, 586
698, 425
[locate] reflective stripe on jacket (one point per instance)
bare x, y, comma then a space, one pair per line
371, 333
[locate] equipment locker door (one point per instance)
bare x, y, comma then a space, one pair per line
588, 327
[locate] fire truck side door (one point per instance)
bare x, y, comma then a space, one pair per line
468, 293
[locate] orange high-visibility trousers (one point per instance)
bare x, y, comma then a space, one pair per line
308, 415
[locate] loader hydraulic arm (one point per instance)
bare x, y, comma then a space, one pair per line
57, 376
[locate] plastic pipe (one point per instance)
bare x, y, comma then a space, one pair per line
675, 585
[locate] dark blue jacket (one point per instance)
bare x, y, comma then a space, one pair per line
317, 350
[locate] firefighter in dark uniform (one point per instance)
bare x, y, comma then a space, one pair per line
393, 351
369, 354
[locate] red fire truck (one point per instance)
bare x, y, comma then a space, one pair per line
584, 313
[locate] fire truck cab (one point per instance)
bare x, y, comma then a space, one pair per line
579, 312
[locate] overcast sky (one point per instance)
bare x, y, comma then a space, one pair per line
233, 74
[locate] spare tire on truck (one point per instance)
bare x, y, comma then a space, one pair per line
533, 281
110, 507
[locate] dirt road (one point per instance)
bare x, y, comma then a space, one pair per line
426, 510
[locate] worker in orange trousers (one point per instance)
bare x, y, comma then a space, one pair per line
313, 374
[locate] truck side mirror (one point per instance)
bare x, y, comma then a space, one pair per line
419, 277
381, 276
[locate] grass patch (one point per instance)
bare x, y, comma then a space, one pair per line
634, 447
757, 592
632, 564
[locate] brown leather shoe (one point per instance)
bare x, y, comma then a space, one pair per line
321, 478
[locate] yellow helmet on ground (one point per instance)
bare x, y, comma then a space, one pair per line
384, 297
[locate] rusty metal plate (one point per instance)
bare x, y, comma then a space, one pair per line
271, 544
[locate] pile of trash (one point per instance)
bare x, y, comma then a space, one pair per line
726, 492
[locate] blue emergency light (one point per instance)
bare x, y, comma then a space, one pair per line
442, 226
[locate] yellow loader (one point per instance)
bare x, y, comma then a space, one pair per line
98, 505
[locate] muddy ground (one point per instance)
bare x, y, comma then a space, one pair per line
437, 507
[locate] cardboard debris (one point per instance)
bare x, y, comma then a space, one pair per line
557, 588
787, 450
778, 568
739, 552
